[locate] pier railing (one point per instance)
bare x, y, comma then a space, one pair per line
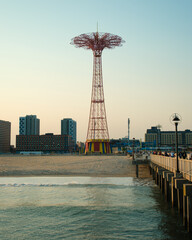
169, 163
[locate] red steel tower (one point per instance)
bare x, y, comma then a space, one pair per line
97, 134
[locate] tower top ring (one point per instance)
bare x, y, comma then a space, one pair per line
97, 41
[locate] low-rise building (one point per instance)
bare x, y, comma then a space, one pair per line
45, 143
188, 137
117, 145
153, 136
160, 138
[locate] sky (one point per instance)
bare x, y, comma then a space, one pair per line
147, 79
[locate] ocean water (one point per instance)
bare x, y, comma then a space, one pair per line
85, 208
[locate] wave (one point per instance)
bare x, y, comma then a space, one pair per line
74, 182
77, 185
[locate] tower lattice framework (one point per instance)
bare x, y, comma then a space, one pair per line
97, 126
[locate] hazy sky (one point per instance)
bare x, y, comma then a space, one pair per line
147, 79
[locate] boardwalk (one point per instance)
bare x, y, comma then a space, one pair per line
67, 165
169, 163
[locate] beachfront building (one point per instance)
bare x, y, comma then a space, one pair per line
168, 138
29, 125
69, 127
45, 143
188, 137
159, 138
5, 136
153, 136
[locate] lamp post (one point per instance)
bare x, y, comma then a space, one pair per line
176, 119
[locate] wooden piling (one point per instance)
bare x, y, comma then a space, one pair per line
187, 192
166, 185
173, 193
184, 210
179, 186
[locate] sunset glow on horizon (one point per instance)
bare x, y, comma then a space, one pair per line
146, 80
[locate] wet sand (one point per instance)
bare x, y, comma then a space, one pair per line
67, 165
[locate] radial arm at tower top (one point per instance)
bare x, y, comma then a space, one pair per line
97, 41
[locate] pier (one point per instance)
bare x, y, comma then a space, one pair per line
176, 187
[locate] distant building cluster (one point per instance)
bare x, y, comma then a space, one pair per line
158, 138
30, 140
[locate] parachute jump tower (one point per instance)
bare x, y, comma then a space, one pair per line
97, 134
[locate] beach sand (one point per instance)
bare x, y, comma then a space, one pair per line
67, 165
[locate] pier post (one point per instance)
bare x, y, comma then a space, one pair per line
184, 210
166, 185
151, 170
153, 174
173, 193
137, 171
189, 213
180, 200
169, 179
166, 190
156, 178
160, 179
162, 184
187, 192
179, 186
160, 173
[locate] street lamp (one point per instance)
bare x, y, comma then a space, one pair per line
176, 119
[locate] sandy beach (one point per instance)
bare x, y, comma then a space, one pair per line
67, 165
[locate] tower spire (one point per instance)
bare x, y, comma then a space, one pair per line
97, 33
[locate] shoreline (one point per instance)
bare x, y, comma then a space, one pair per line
51, 175
67, 166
